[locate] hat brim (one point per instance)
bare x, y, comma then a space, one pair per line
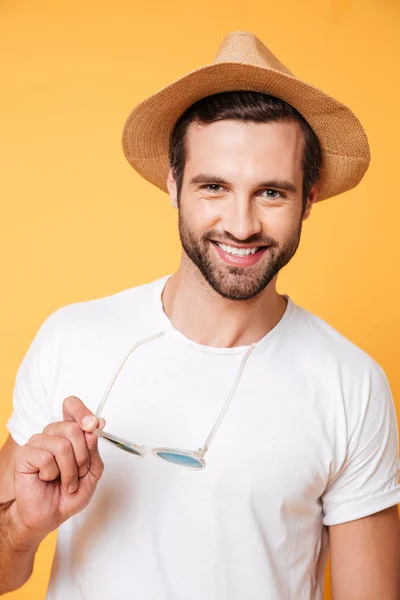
344, 144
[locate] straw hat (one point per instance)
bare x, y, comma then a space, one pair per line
244, 63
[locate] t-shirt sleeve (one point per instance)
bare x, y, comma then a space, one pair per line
368, 479
31, 405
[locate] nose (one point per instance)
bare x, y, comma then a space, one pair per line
241, 218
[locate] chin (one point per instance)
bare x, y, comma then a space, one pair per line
233, 284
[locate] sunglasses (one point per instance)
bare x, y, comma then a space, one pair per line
189, 459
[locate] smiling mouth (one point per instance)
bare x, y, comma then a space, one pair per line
239, 252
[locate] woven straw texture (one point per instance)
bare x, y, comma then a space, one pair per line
244, 63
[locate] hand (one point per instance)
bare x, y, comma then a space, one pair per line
56, 472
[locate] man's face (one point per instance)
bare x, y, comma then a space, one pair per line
240, 209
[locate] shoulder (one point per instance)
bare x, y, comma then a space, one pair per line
121, 309
325, 348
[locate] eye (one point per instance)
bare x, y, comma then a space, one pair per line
211, 185
274, 192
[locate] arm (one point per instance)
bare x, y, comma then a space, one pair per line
365, 557
16, 553
51, 477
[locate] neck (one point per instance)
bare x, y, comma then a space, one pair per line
199, 313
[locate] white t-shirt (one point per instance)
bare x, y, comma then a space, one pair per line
309, 440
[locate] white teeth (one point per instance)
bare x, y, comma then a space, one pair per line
237, 251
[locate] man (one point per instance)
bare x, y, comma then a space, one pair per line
302, 433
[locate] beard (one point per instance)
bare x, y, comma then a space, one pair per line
233, 282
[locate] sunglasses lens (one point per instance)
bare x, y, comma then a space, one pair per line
181, 459
122, 445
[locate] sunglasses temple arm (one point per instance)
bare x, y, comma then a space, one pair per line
210, 438
103, 401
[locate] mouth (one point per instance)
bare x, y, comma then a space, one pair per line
240, 256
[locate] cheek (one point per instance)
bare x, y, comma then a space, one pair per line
281, 222
202, 214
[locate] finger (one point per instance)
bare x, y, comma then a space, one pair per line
63, 452
32, 460
75, 410
72, 431
92, 439
96, 463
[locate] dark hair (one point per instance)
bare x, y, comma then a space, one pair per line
247, 106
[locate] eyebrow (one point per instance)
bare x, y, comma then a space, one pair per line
281, 184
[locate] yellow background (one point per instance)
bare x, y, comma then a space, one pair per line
78, 223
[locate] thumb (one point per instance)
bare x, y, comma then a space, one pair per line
75, 410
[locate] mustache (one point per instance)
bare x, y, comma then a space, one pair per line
227, 237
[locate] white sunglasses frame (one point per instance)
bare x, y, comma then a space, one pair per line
142, 451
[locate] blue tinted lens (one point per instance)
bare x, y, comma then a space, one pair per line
180, 459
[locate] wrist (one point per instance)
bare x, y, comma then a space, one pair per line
21, 538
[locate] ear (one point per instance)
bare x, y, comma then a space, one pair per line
171, 184
312, 198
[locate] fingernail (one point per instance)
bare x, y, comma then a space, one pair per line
102, 423
72, 487
89, 421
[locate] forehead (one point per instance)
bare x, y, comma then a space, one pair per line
244, 146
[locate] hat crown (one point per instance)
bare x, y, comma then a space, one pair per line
245, 47
244, 63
